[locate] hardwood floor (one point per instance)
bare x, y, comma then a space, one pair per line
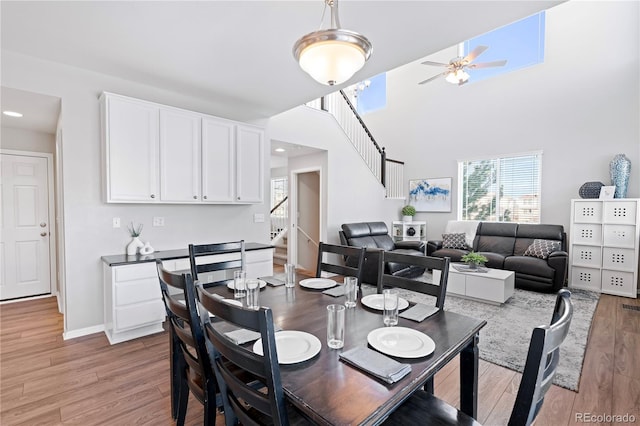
45, 380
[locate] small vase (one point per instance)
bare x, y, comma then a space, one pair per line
472, 266
134, 246
407, 218
620, 170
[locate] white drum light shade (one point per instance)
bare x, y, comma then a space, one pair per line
334, 55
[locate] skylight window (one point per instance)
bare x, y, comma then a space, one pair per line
520, 43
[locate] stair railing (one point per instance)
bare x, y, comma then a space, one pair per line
279, 218
388, 172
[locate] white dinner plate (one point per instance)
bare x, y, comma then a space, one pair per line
376, 301
401, 342
230, 285
293, 346
318, 283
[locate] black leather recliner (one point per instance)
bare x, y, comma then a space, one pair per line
375, 237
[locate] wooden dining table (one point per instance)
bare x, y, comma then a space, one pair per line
331, 392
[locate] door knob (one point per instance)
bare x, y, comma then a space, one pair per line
43, 234
43, 225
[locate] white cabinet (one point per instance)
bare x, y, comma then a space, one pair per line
133, 304
409, 231
249, 156
605, 235
180, 179
159, 154
218, 160
130, 148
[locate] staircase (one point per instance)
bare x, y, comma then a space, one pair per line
279, 218
280, 252
389, 172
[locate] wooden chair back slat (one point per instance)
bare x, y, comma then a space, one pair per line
324, 265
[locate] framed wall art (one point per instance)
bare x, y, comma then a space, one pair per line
607, 192
430, 195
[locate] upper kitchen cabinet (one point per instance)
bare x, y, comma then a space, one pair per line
180, 170
130, 150
249, 159
159, 154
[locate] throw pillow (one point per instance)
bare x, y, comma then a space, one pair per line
542, 248
454, 241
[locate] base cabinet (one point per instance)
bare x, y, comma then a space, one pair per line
604, 245
133, 304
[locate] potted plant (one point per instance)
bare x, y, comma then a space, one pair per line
135, 244
408, 212
473, 260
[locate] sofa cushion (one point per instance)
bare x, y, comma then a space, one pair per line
528, 232
454, 241
366, 241
530, 266
454, 254
354, 230
542, 248
494, 260
378, 228
384, 242
394, 268
496, 237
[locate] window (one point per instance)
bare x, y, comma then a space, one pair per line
374, 96
504, 189
279, 216
520, 43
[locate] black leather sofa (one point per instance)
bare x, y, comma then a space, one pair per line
375, 237
504, 245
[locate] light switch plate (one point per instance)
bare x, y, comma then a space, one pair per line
116, 222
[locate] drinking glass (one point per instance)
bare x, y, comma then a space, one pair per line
290, 275
253, 294
239, 289
390, 317
350, 291
335, 326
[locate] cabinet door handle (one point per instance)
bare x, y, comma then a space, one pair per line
153, 196
43, 234
205, 197
43, 225
195, 197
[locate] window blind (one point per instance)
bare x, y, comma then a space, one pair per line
503, 189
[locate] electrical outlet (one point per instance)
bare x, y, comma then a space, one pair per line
158, 221
116, 222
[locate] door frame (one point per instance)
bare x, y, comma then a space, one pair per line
292, 250
53, 287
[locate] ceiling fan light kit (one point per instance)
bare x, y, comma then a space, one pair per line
334, 55
455, 73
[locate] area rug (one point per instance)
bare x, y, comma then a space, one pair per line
505, 339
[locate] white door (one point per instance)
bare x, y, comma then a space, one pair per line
308, 220
218, 165
24, 242
249, 159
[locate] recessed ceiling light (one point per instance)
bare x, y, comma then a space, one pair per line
12, 113
279, 150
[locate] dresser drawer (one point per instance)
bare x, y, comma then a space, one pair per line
142, 290
135, 272
586, 278
584, 233
587, 212
139, 315
620, 236
618, 258
586, 256
622, 212
618, 282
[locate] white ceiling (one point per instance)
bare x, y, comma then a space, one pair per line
237, 51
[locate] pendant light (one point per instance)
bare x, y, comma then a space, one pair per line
334, 55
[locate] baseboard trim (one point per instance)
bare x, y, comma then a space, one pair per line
72, 334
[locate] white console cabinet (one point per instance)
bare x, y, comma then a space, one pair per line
133, 304
154, 153
605, 239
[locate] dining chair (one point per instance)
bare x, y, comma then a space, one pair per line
325, 264
439, 290
250, 384
190, 367
205, 258
537, 377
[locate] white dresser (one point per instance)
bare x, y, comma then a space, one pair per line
133, 304
604, 245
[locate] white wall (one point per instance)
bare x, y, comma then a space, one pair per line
352, 192
580, 107
88, 220
27, 140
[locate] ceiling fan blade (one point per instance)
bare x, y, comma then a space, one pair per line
475, 53
488, 64
432, 78
435, 64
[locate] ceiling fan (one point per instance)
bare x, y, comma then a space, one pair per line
456, 73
